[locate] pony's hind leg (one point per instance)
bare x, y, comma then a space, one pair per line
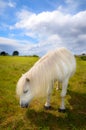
63, 94
58, 85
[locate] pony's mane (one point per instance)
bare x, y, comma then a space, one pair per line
46, 69
20, 85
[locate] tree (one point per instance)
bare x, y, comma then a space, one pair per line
3, 53
15, 53
83, 54
35, 56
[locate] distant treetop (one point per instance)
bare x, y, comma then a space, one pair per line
15, 53
3, 53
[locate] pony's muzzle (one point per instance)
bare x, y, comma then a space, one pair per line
24, 105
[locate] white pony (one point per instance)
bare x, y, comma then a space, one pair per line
58, 65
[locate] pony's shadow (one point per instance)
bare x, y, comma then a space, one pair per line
72, 119
43, 119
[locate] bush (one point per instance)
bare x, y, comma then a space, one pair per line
83, 57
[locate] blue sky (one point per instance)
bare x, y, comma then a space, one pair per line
37, 26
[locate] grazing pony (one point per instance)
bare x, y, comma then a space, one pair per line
58, 65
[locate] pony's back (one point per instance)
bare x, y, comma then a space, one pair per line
55, 65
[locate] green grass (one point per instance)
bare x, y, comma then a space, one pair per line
12, 117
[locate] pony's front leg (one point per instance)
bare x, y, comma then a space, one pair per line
63, 94
47, 104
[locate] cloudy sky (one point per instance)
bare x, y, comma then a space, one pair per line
37, 26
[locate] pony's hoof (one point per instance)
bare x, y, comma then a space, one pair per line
47, 107
62, 110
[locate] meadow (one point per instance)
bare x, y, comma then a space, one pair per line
12, 117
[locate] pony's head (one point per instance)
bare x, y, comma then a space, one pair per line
24, 91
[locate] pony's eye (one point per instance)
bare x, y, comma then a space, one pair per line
25, 91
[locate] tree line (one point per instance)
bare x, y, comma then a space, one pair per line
15, 53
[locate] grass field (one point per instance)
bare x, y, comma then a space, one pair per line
12, 117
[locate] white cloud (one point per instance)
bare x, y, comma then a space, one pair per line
70, 1
21, 45
50, 22
51, 29
7, 41
71, 6
46, 26
4, 5
11, 4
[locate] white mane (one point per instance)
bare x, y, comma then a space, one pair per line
55, 65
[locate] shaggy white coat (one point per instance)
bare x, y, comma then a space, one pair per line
58, 65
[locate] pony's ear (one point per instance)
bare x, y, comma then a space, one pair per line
27, 79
